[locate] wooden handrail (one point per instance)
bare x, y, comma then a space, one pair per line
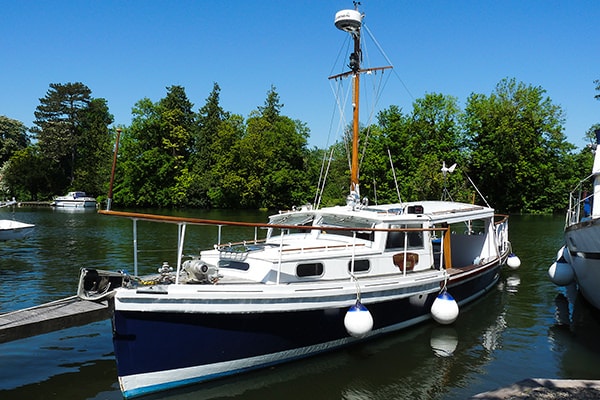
200, 221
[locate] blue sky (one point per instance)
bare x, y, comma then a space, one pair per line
128, 50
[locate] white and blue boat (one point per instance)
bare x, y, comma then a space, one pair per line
578, 261
75, 199
310, 280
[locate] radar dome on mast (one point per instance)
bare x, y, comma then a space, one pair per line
348, 20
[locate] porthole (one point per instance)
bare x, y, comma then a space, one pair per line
359, 265
242, 266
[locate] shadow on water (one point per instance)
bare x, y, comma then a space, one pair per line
574, 335
515, 332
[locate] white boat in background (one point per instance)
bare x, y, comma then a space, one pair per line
310, 280
75, 200
14, 230
579, 259
8, 203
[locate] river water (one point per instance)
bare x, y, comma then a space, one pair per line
526, 327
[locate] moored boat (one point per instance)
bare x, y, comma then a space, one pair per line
309, 280
579, 259
76, 199
14, 230
8, 203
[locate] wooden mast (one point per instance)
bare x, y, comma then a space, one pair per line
351, 21
355, 66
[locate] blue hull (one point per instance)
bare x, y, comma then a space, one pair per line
150, 342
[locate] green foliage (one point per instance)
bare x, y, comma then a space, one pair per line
13, 137
29, 175
413, 148
510, 143
155, 149
517, 148
93, 161
266, 165
73, 138
206, 149
225, 179
58, 123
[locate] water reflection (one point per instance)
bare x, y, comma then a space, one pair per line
512, 283
444, 341
419, 363
574, 336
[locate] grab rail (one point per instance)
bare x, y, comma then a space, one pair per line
577, 199
501, 228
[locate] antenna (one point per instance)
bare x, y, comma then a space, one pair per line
394, 173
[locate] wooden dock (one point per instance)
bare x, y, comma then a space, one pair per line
34, 204
49, 317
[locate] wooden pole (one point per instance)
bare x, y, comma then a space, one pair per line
112, 173
355, 113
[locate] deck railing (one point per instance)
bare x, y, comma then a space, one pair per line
501, 227
578, 197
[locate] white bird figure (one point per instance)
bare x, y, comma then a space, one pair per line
446, 170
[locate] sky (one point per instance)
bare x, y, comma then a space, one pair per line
125, 51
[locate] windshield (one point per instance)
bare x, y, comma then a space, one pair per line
345, 221
292, 219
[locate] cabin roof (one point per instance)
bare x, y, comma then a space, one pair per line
433, 211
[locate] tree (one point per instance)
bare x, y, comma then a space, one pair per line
204, 155
177, 123
273, 154
436, 136
28, 175
153, 171
391, 137
13, 137
418, 144
517, 147
225, 190
209, 119
93, 162
270, 111
260, 163
58, 124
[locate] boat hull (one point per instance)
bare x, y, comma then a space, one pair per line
157, 351
75, 203
583, 242
14, 230
75, 200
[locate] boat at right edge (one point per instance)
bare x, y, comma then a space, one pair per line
579, 259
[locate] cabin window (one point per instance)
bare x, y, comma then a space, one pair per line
395, 239
366, 235
309, 269
359, 265
242, 266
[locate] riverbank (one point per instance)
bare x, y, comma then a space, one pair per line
546, 389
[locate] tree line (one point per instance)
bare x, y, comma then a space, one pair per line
510, 144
